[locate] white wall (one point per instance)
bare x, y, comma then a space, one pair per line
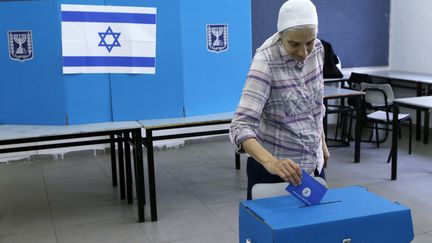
410, 40
411, 35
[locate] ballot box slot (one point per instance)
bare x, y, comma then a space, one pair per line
322, 203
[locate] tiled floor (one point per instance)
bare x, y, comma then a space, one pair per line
198, 189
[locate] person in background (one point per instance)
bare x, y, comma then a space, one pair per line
279, 118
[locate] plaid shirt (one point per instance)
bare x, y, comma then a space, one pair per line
282, 106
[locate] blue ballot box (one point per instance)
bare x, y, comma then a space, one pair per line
345, 215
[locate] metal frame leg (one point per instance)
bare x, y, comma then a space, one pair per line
151, 174
121, 166
135, 159
139, 172
113, 160
394, 141
358, 129
426, 127
418, 114
128, 165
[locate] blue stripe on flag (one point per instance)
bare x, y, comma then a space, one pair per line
109, 61
104, 17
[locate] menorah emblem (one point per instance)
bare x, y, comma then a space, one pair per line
217, 32
217, 37
20, 45
20, 39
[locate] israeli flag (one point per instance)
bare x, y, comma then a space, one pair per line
108, 39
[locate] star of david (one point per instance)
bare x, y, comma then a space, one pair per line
103, 42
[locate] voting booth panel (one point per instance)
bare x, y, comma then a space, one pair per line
31, 86
158, 95
214, 71
345, 215
200, 65
200, 77
37, 91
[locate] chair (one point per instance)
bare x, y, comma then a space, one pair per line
355, 80
354, 83
342, 113
379, 99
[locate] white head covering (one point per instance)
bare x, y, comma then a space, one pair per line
293, 13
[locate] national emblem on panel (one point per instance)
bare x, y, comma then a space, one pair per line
20, 45
217, 37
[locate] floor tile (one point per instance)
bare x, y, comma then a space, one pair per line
225, 237
22, 198
184, 224
40, 236
95, 189
171, 195
422, 238
188, 156
228, 212
20, 220
20, 176
59, 174
87, 211
105, 231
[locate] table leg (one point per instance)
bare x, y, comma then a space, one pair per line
128, 165
113, 160
418, 114
394, 149
426, 127
136, 159
358, 129
121, 166
139, 174
151, 173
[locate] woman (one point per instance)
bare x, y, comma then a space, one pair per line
278, 121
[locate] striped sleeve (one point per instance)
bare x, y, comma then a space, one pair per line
254, 96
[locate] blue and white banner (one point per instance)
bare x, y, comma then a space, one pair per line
108, 39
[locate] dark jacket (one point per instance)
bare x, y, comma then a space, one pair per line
330, 61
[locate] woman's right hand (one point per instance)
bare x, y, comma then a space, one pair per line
286, 169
